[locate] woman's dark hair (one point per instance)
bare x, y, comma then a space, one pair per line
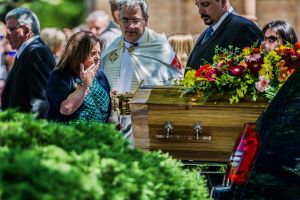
284, 30
77, 50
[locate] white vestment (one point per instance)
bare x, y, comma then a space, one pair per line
153, 62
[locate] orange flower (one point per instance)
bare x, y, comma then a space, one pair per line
285, 51
255, 51
282, 74
203, 70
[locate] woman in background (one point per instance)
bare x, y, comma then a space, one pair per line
55, 39
278, 33
182, 43
76, 89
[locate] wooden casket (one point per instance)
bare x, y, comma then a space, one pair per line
187, 128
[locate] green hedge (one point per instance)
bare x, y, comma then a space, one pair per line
43, 160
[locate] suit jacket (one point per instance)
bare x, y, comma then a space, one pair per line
279, 143
235, 30
110, 33
25, 85
283, 112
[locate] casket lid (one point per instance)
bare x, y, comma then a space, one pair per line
170, 95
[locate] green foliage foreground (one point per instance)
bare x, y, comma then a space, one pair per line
43, 160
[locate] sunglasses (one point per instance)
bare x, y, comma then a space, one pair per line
9, 53
271, 38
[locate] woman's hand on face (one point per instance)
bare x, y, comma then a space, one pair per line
87, 75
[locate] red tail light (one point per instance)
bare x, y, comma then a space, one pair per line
243, 155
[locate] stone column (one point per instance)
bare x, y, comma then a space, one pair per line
297, 22
102, 5
89, 6
250, 9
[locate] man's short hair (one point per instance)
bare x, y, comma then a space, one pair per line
132, 3
25, 17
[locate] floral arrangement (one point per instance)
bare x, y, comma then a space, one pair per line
248, 72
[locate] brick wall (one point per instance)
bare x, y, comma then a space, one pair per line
171, 16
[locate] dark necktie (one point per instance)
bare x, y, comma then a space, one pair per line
207, 34
134, 44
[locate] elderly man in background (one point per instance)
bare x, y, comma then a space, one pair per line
101, 25
25, 85
225, 29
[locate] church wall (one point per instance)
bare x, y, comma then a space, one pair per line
171, 16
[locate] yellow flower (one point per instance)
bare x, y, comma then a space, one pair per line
266, 71
189, 78
188, 83
246, 51
190, 74
273, 55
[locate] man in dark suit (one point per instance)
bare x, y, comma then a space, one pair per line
225, 29
25, 85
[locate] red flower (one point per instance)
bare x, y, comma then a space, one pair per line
212, 74
291, 61
236, 70
290, 56
291, 71
297, 46
254, 63
201, 72
231, 62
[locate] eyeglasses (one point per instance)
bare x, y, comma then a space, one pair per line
271, 38
9, 53
135, 22
12, 29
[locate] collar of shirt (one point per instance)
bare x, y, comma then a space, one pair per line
136, 43
230, 9
216, 26
25, 44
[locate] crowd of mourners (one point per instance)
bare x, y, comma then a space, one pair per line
70, 75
